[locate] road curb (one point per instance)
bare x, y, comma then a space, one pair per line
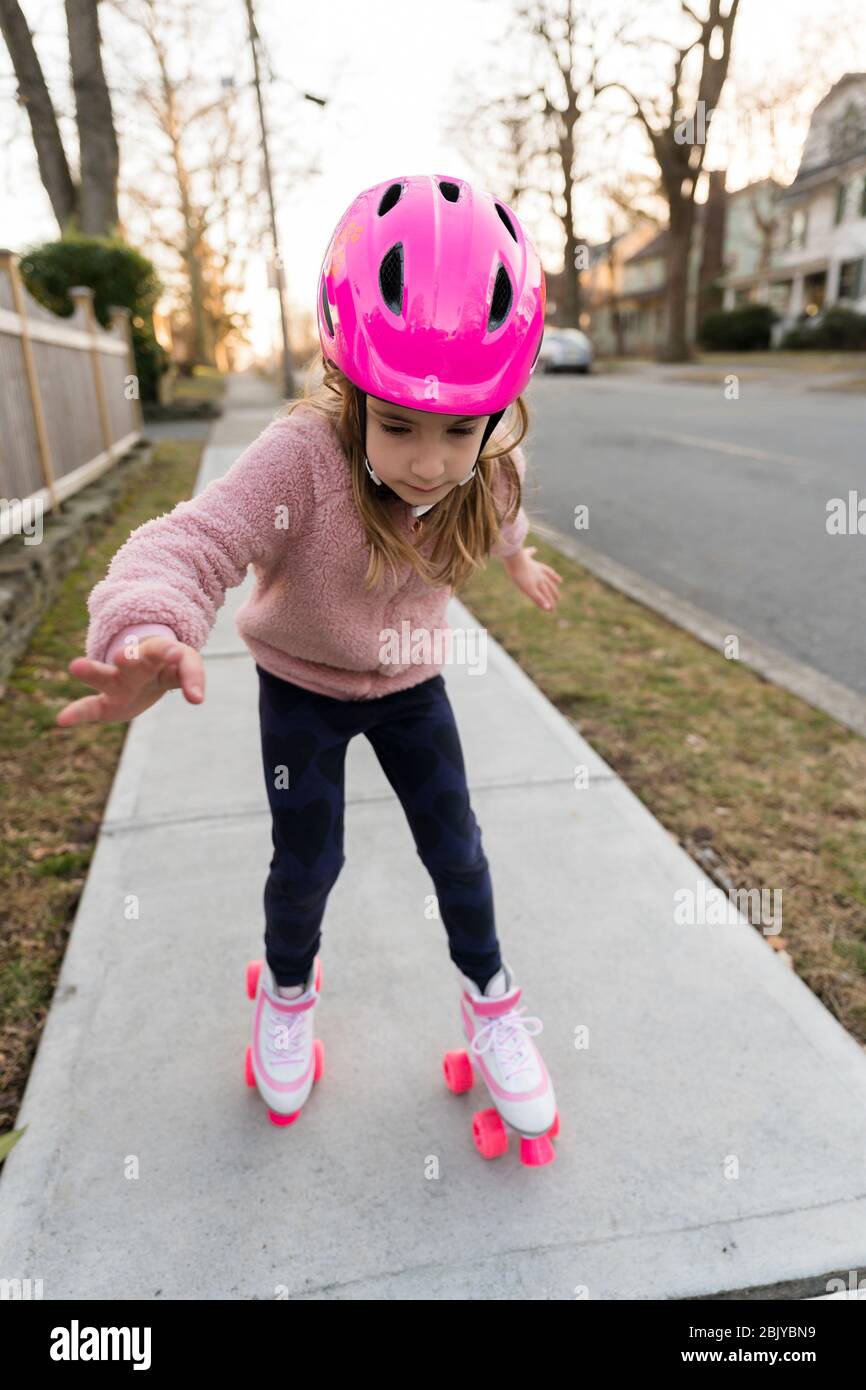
820, 691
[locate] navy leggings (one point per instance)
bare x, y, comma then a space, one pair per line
414, 736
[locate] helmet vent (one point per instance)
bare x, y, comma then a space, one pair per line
501, 302
391, 278
451, 191
326, 308
390, 197
505, 219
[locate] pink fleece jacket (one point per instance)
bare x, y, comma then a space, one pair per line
286, 508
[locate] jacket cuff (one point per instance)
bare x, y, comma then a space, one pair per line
135, 630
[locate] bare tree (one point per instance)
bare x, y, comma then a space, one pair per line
199, 193
530, 139
574, 40
199, 171
632, 197
679, 147
89, 205
498, 136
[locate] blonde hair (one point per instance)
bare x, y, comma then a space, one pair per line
459, 531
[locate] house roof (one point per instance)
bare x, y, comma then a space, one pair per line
753, 187
657, 246
809, 175
846, 80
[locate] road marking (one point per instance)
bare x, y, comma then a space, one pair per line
720, 446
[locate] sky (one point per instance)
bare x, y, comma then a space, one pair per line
394, 74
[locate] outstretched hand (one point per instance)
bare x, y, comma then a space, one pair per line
138, 678
535, 579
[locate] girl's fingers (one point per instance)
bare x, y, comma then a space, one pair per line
191, 673
99, 674
88, 708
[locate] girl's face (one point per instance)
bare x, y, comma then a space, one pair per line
421, 455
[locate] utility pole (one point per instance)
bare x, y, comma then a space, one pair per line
288, 375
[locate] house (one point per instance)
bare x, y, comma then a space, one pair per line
601, 285
819, 240
798, 248
752, 235
624, 286
632, 317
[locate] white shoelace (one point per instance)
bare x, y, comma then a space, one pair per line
507, 1034
286, 1040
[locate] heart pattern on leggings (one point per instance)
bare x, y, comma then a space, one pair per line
453, 808
295, 754
305, 831
446, 739
331, 762
417, 766
428, 832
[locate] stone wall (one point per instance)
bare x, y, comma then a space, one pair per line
30, 575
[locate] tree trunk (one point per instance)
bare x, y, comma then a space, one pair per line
33, 93
97, 206
570, 316
676, 347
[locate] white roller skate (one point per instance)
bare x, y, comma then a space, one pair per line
284, 1059
513, 1069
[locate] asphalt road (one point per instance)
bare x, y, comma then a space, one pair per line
723, 502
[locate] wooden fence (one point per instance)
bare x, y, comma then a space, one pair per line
69, 403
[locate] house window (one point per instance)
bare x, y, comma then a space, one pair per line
797, 228
841, 193
779, 295
848, 132
851, 279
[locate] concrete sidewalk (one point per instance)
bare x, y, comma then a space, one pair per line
712, 1134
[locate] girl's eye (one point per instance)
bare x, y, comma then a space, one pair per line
455, 429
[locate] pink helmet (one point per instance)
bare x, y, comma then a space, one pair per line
432, 296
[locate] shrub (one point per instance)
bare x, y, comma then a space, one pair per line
744, 329
117, 274
836, 328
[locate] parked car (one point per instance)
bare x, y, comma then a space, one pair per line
565, 349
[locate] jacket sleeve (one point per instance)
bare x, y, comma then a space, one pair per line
514, 533
175, 569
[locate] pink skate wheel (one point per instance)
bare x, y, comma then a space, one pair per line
254, 968
536, 1152
489, 1133
279, 1119
319, 1058
318, 976
248, 1067
458, 1073
554, 1128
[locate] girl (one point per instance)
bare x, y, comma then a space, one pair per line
431, 313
